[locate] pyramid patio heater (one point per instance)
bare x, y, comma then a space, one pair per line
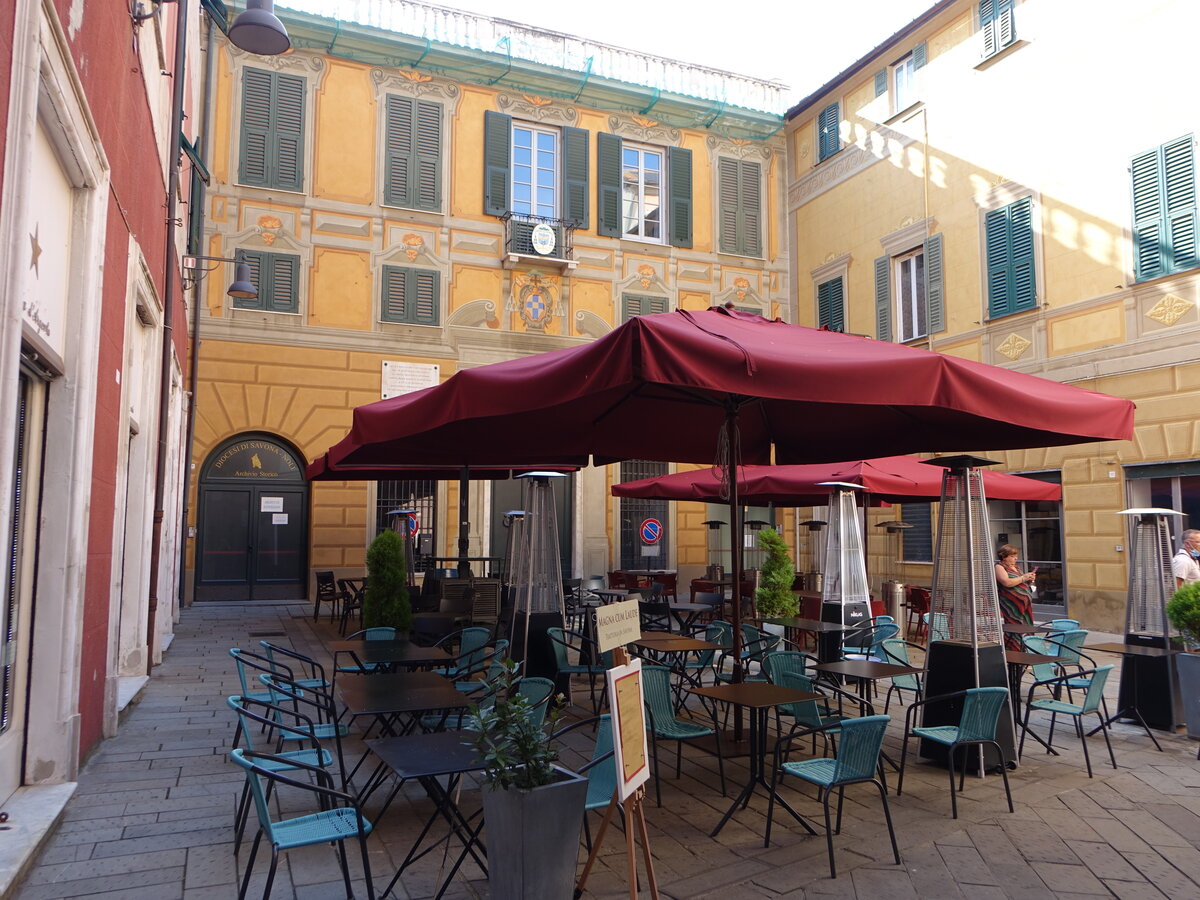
1149, 686
844, 595
812, 553
514, 524
536, 579
716, 569
965, 596
404, 523
891, 586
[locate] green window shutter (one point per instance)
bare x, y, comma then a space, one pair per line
277, 278
679, 201
996, 23
575, 176
830, 311
935, 293
289, 133
920, 56
883, 298
497, 162
410, 296
641, 305
398, 151
727, 200
608, 188
1147, 215
1179, 180
751, 212
257, 127
427, 175
828, 139
1012, 284
881, 82
393, 303
283, 283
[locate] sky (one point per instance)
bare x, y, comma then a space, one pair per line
802, 43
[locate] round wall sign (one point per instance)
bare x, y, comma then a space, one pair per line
542, 238
651, 531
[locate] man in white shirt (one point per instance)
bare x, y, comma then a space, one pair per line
1186, 562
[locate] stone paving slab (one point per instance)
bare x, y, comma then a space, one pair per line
152, 815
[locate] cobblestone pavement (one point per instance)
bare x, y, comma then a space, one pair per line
152, 817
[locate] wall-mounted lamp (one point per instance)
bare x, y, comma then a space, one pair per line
242, 288
258, 30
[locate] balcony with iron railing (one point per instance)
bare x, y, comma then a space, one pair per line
538, 238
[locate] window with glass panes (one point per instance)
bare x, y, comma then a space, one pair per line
917, 542
641, 192
1034, 527
420, 496
534, 171
635, 510
910, 296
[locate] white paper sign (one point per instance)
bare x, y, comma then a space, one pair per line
617, 624
404, 378
270, 504
631, 752
279, 519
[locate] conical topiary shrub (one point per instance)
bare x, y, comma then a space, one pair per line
774, 597
385, 601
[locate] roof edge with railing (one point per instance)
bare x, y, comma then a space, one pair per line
499, 53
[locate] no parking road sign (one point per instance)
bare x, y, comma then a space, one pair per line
651, 531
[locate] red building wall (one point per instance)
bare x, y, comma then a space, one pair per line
110, 71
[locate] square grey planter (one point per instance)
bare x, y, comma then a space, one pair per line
532, 839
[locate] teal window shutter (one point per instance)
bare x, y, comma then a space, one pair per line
935, 317
679, 200
1165, 210
1008, 233
412, 153
497, 162
828, 138
410, 296
272, 137
641, 305
996, 23
919, 55
739, 195
575, 176
277, 278
608, 188
830, 311
881, 82
883, 298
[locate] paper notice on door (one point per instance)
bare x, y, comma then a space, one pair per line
270, 504
279, 519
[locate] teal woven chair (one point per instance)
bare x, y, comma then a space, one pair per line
857, 762
253, 667
538, 691
271, 720
568, 645
1096, 679
314, 672
896, 651
494, 669
694, 666
1062, 624
937, 626
472, 653
663, 724
810, 714
868, 643
601, 769
755, 647
981, 711
378, 633
777, 662
338, 819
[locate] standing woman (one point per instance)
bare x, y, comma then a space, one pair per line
1016, 597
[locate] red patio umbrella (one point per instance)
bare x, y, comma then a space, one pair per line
720, 384
895, 479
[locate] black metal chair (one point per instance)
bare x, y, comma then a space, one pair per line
327, 592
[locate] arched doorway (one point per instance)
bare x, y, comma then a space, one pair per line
252, 542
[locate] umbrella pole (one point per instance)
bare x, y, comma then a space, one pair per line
464, 540
733, 458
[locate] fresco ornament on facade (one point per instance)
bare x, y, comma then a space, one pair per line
645, 275
413, 245
268, 228
414, 76
1014, 347
534, 300
537, 109
1169, 310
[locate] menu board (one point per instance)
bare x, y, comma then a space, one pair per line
629, 727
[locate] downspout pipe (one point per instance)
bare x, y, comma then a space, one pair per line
168, 334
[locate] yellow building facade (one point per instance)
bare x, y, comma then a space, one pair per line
1014, 182
411, 206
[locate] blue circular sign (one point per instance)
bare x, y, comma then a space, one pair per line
651, 531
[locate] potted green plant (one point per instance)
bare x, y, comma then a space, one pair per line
533, 809
1183, 609
385, 599
774, 597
